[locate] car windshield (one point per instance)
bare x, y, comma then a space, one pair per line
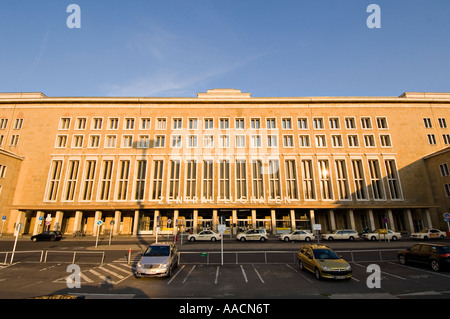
157, 251
444, 250
325, 254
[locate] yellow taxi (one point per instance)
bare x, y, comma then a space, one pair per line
323, 262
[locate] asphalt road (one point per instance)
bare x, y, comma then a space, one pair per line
257, 271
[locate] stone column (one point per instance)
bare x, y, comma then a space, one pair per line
233, 222
117, 218
155, 221
98, 216
391, 223
214, 220
37, 226
312, 217
77, 222
409, 220
136, 222
195, 221
371, 219
332, 219
293, 225
253, 218
273, 218
58, 220
352, 219
427, 217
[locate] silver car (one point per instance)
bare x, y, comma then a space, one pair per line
158, 260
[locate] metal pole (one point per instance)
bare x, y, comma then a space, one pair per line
96, 240
221, 240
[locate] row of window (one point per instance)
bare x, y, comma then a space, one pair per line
18, 123
255, 176
112, 123
13, 141
432, 139
428, 123
192, 141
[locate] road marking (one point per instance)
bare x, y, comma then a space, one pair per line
299, 273
383, 272
189, 273
127, 271
243, 272
106, 279
173, 277
260, 278
111, 272
217, 275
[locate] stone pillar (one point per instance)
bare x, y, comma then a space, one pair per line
312, 217
136, 222
233, 222
409, 220
273, 219
214, 220
58, 220
352, 219
37, 226
332, 219
195, 222
253, 218
117, 219
155, 221
391, 223
175, 222
427, 217
77, 221
371, 219
293, 225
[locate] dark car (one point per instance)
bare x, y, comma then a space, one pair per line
47, 235
435, 255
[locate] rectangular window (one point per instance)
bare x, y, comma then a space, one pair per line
192, 141
14, 140
288, 141
224, 179
145, 123
55, 177
72, 178
350, 123
382, 123
176, 141
240, 141
286, 124
129, 124
431, 139
239, 124
271, 124
208, 179
64, 123
304, 141
89, 177
224, 141
193, 124
342, 180
274, 179
61, 141
291, 179
161, 124
334, 123
97, 123
140, 180
358, 177
177, 124
144, 141
272, 141
124, 175
94, 141
366, 123
224, 124
302, 123
241, 179
157, 179
320, 141
318, 123
4, 124
353, 141
2, 171
256, 141
106, 180
208, 141
369, 140
110, 141
191, 179
208, 124
174, 179
393, 180
442, 122
375, 179
77, 141
18, 124
257, 170
427, 122
160, 141
336, 141
308, 180
446, 138
325, 180
385, 140
113, 123
444, 170
447, 190
255, 124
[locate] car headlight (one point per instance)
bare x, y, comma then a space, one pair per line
348, 267
165, 265
138, 265
326, 268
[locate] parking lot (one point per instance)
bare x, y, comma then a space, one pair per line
255, 275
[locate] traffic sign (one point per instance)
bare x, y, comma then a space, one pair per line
99, 223
221, 228
317, 227
4, 218
446, 215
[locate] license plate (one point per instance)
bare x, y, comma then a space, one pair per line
339, 277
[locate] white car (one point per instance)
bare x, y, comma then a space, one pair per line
298, 234
428, 233
205, 235
391, 235
348, 234
253, 234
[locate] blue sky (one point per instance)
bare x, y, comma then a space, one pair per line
269, 48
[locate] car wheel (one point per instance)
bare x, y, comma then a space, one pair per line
213, 238
34, 239
169, 274
373, 238
262, 239
351, 238
192, 239
394, 238
425, 237
330, 238
402, 259
286, 239
435, 265
441, 237
317, 273
242, 239
307, 239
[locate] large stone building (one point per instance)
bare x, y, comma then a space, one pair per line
139, 164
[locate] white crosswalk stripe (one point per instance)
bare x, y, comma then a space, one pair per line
107, 273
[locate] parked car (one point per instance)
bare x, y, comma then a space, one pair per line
158, 260
47, 235
205, 235
323, 262
435, 255
375, 235
298, 234
428, 233
348, 234
253, 234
